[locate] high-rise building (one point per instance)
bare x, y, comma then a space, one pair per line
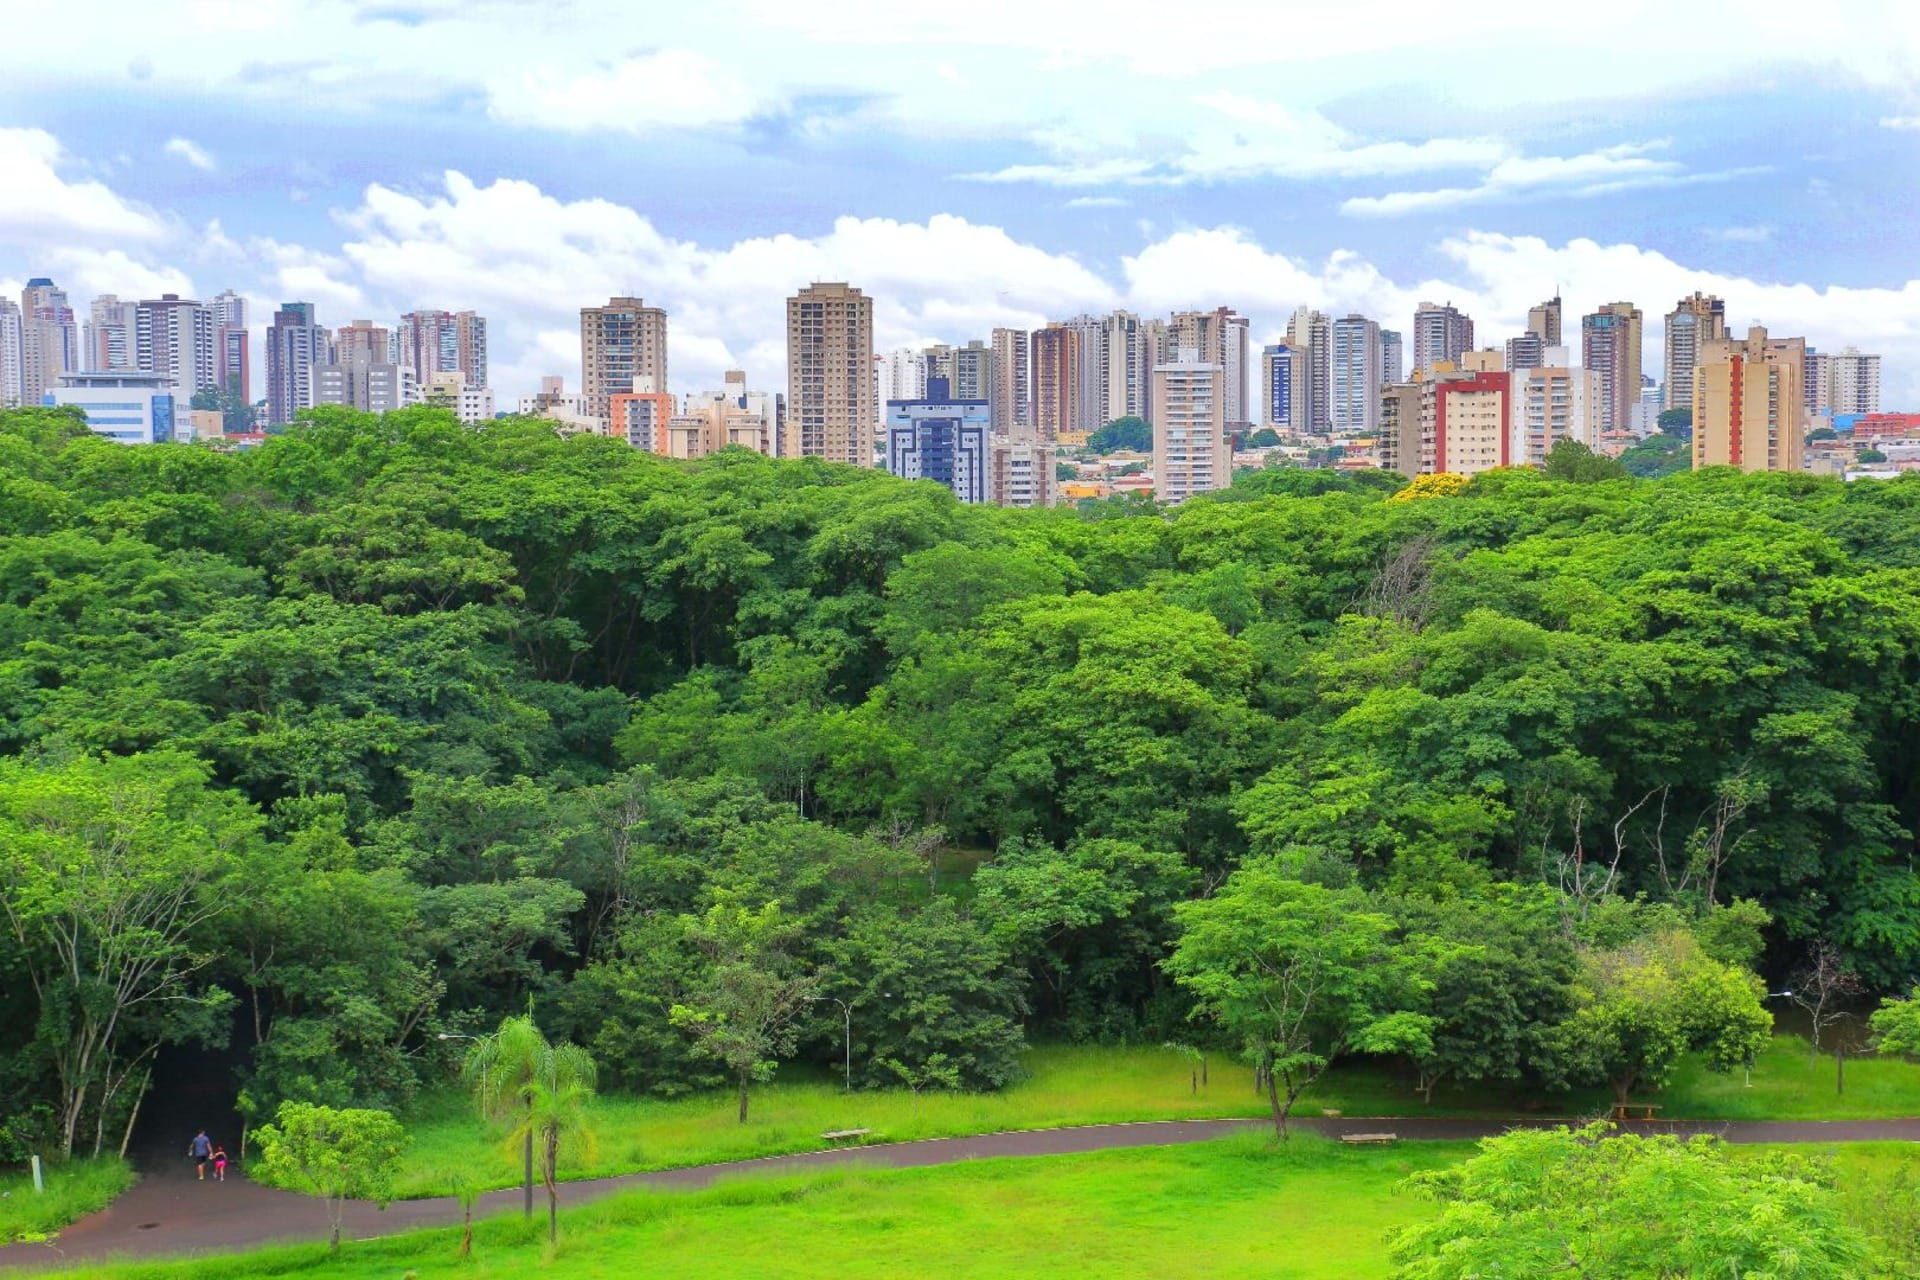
1356, 375
1126, 366
1553, 402
1853, 382
470, 346
1090, 391
1190, 449
1543, 322
942, 438
173, 336
296, 347
1312, 332
1748, 406
1284, 384
1466, 420
430, 342
1527, 351
624, 340
49, 339
1693, 322
1398, 440
448, 389
1393, 358
1010, 398
1021, 472
732, 417
9, 353
1441, 332
126, 405
968, 369
899, 375
1219, 337
1610, 346
640, 416
364, 338
108, 335
830, 404
361, 375
1055, 373
1816, 382
231, 344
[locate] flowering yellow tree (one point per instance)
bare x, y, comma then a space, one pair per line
1441, 484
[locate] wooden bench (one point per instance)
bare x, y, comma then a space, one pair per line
1624, 1112
1369, 1137
838, 1136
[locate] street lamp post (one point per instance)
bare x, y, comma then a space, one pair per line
846, 1011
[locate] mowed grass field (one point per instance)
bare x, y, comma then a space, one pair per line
1311, 1211
1099, 1085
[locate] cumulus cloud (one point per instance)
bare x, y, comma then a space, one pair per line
671, 88
40, 208
190, 151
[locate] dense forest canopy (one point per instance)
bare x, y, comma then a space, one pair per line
397, 725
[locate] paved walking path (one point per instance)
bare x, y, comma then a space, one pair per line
168, 1214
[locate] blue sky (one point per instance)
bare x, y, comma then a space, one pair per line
971, 165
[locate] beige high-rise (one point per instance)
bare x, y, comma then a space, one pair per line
624, 340
1694, 322
831, 412
1190, 452
1749, 410
1543, 321
1610, 346
1009, 403
1398, 447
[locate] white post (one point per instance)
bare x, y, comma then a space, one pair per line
39, 1188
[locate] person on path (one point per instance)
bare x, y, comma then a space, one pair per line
219, 1163
199, 1150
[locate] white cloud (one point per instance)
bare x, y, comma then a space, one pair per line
673, 88
1096, 202
39, 208
1900, 122
190, 151
1742, 235
1603, 172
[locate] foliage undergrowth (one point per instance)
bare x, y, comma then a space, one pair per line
74, 1190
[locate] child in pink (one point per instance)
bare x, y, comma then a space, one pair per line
220, 1164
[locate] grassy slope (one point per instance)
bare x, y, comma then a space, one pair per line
1235, 1207
1093, 1086
73, 1190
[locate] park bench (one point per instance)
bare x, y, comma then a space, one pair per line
1624, 1111
838, 1136
1369, 1137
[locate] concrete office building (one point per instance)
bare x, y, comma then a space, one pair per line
830, 401
126, 405
1693, 322
942, 438
9, 353
1610, 346
1356, 375
1284, 384
1010, 399
1749, 410
1191, 453
296, 347
49, 339
108, 336
1441, 333
173, 336
624, 340
360, 376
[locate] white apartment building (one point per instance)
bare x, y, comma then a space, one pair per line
448, 389
1190, 450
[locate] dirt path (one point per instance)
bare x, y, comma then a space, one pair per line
169, 1213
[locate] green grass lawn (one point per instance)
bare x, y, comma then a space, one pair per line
1310, 1211
1087, 1085
73, 1190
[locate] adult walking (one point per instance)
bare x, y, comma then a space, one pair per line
200, 1150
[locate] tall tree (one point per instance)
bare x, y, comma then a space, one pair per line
743, 1010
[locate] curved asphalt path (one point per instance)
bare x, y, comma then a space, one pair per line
167, 1214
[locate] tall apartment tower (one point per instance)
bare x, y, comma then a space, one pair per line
1393, 358
1312, 332
624, 340
1089, 396
296, 347
1466, 421
1055, 373
9, 353
232, 357
1526, 351
470, 346
1190, 450
1610, 346
1749, 410
1219, 337
1283, 387
1852, 382
1010, 398
1543, 322
173, 337
109, 334
1126, 367
1440, 332
968, 369
830, 406
49, 339
1397, 446
1356, 375
1693, 322
899, 375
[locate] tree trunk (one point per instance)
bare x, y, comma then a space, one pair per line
1273, 1100
529, 1154
553, 1187
333, 1241
1622, 1087
466, 1231
1839, 1069
1203, 1068
743, 1097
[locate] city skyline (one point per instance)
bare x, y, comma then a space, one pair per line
971, 174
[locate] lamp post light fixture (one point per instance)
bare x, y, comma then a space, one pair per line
846, 1011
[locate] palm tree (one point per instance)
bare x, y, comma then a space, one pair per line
503, 1068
